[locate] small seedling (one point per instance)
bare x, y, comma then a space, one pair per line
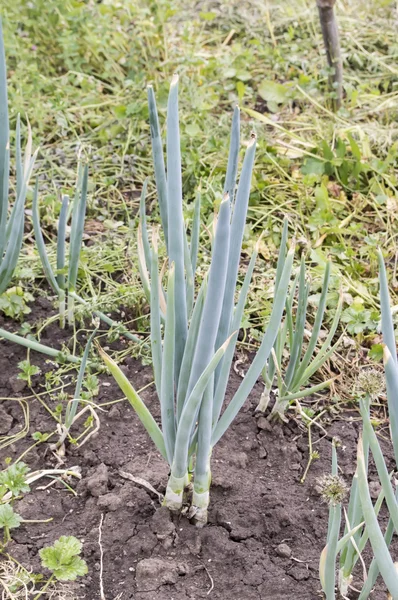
91, 385
8, 520
302, 364
13, 480
27, 371
13, 303
63, 560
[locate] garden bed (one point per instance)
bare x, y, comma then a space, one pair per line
266, 530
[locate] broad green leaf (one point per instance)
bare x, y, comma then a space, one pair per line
313, 166
14, 478
8, 518
271, 91
62, 559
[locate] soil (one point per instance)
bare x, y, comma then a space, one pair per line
266, 530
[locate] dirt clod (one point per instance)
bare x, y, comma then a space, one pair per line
5, 421
16, 385
283, 550
152, 573
110, 502
97, 484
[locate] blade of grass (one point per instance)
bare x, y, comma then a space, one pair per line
36, 346
233, 158
190, 349
76, 233
316, 328
373, 570
391, 369
142, 264
63, 215
332, 539
237, 228
214, 297
387, 326
4, 133
229, 354
189, 277
144, 228
61, 253
298, 335
18, 155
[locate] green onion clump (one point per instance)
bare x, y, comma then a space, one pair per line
63, 276
11, 223
301, 365
194, 328
64, 280
362, 515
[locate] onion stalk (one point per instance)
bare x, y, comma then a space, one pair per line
61, 279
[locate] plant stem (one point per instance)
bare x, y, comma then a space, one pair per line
62, 309
71, 308
312, 455
43, 589
331, 40
17, 339
264, 400
123, 330
37, 520
174, 492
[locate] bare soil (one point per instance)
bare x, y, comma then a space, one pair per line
266, 530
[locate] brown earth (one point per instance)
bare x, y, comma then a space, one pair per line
265, 531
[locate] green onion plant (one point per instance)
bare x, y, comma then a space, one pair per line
362, 515
301, 365
194, 329
63, 278
11, 222
71, 415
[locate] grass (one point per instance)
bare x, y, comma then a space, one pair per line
79, 72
